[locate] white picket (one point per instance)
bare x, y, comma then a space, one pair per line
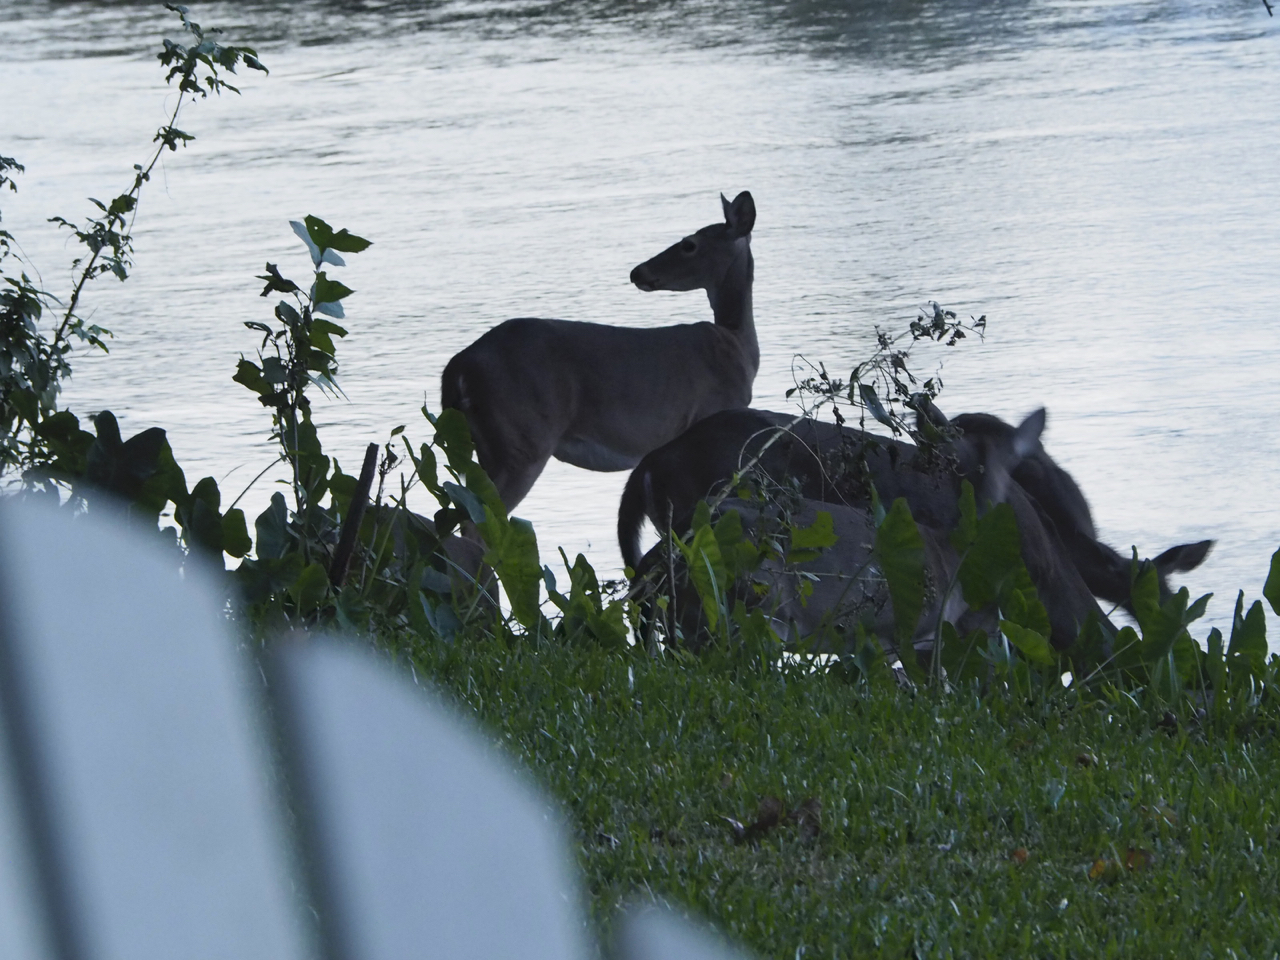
653, 932
161, 833
428, 842
162, 825
24, 932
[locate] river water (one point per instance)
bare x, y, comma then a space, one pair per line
1097, 178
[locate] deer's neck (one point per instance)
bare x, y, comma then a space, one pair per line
731, 303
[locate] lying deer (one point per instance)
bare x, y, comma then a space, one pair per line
669, 482
844, 586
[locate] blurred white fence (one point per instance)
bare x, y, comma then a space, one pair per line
159, 801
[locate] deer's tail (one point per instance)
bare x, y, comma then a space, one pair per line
632, 511
453, 386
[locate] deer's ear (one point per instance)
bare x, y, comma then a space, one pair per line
1026, 436
741, 214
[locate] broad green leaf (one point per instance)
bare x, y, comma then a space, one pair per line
272, 529
207, 490
287, 315
265, 579
756, 634
275, 282
467, 500
1249, 636
235, 534
108, 430
342, 487
1020, 603
1187, 655
1215, 661
739, 553
250, 374
324, 237
1197, 609
1145, 594
453, 436
1127, 649
728, 528
441, 618
994, 556
319, 325
329, 291
807, 543
706, 571
310, 589
513, 554
610, 625
478, 482
1092, 646
424, 463
1032, 645
899, 548
1161, 626
305, 236
1271, 589
274, 371
199, 517
959, 655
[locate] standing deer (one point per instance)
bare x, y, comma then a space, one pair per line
601, 397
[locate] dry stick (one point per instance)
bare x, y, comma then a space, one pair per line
355, 513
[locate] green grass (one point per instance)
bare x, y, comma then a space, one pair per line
924, 800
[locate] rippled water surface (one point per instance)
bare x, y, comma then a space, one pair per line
1097, 178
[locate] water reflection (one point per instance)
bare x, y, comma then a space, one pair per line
924, 34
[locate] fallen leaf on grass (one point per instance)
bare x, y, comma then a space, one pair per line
1019, 856
1106, 870
1137, 859
771, 812
1134, 860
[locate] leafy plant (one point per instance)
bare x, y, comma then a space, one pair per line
37, 439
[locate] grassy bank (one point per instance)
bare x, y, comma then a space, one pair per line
908, 824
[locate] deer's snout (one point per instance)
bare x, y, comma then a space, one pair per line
643, 278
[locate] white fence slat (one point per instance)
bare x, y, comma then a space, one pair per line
654, 932
428, 843
23, 930
162, 821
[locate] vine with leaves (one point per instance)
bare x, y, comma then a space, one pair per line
37, 439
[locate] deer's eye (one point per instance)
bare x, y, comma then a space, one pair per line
688, 245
